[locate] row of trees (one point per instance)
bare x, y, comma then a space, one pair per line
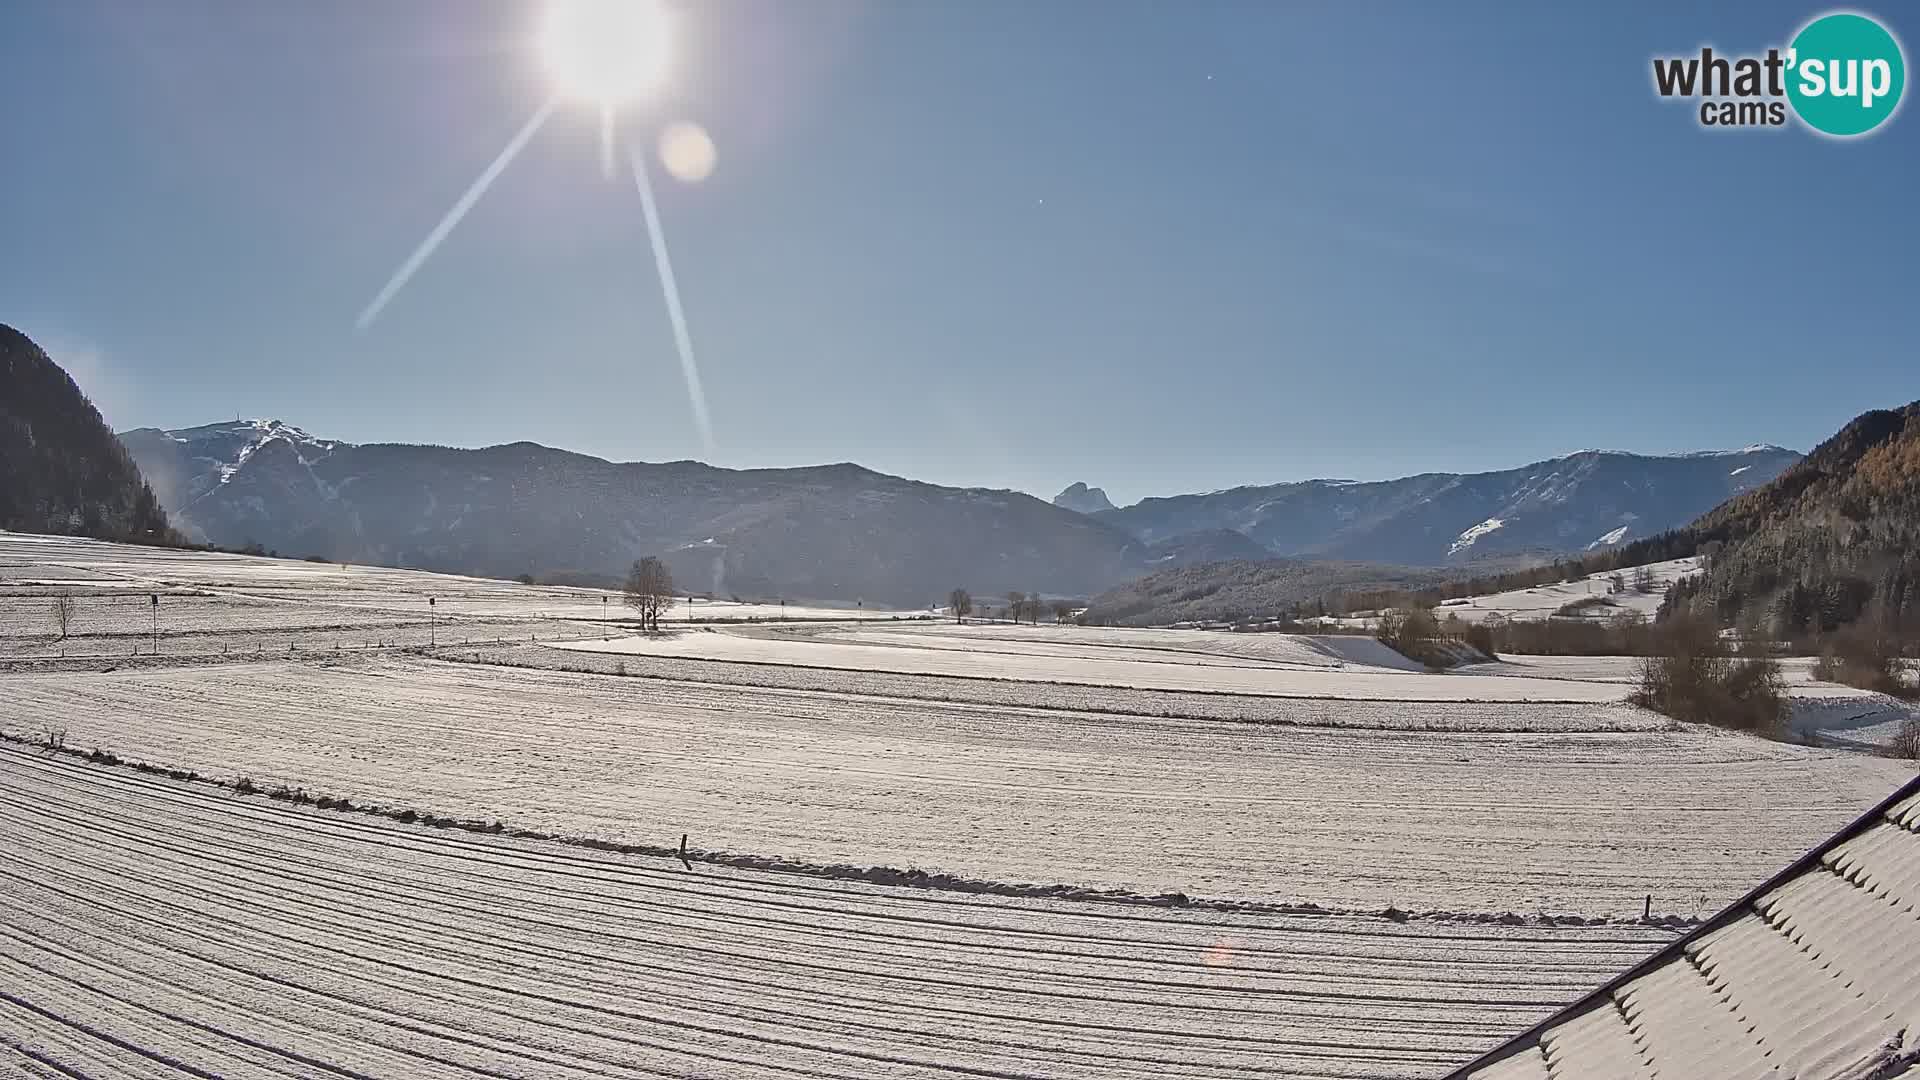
1028, 606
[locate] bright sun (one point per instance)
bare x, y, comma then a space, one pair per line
605, 51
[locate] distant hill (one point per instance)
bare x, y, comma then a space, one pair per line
1833, 539
1206, 546
1589, 501
1082, 499
61, 470
1244, 589
830, 532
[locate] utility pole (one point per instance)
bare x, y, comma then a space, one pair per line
433, 631
154, 602
606, 628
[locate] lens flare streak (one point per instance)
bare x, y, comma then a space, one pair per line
440, 232
606, 140
681, 341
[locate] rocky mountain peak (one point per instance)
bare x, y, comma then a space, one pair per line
1082, 499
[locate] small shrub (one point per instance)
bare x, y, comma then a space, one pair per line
1414, 634
1584, 605
1480, 636
1826, 667
1906, 741
244, 785
1864, 657
1693, 678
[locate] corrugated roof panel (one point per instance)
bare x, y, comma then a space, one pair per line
1690, 1029
1811, 1022
1528, 1064
1906, 811
1815, 975
1864, 938
1595, 1045
1886, 859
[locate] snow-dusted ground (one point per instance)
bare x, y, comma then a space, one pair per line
1205, 647
149, 927
1844, 716
1098, 665
147, 924
211, 602
1547, 599
1822, 711
1562, 821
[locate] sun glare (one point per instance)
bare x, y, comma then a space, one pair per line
605, 51
687, 152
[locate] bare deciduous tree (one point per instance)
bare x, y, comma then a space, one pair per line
1062, 611
649, 591
960, 603
63, 614
1906, 741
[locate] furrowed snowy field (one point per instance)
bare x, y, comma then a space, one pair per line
151, 923
160, 928
1308, 667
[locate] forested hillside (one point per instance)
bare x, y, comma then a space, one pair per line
1245, 589
61, 469
1834, 540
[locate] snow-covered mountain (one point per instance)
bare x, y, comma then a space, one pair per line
830, 532
1585, 501
189, 464
837, 532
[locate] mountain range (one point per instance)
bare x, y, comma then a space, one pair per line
828, 532
842, 532
1586, 501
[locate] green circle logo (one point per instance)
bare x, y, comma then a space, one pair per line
1845, 74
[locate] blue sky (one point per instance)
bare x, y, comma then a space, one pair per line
1158, 247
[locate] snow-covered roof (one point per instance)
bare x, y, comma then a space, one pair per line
1815, 975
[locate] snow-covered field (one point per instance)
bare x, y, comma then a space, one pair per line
1096, 664
149, 925
211, 602
161, 928
1355, 818
1538, 603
